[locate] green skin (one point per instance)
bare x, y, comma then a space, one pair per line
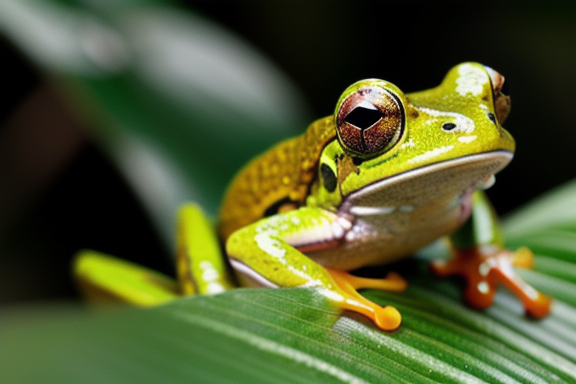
421, 187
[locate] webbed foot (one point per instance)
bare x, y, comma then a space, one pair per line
484, 267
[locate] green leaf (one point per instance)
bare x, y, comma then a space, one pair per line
555, 210
295, 336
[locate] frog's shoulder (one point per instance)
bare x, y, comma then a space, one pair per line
277, 180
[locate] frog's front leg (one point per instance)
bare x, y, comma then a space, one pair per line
267, 253
479, 256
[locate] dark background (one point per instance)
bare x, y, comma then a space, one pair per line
59, 193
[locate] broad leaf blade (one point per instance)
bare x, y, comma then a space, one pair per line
286, 336
295, 336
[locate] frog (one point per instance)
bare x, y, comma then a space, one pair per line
385, 175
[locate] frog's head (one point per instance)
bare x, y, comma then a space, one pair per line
450, 135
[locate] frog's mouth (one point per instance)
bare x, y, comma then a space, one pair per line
439, 185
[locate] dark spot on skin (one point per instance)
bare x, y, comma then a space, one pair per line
485, 98
492, 117
328, 177
357, 161
448, 126
414, 114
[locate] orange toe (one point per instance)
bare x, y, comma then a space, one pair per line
393, 282
386, 318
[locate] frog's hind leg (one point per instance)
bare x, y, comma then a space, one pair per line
200, 265
486, 267
105, 278
480, 257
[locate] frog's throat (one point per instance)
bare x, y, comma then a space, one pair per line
494, 161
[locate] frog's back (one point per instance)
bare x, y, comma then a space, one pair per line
275, 181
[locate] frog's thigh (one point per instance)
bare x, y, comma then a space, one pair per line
106, 278
200, 264
264, 253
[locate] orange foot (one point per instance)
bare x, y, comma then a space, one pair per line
387, 318
484, 267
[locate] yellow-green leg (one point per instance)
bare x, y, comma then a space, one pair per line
105, 278
200, 267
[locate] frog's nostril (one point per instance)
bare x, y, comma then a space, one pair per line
448, 126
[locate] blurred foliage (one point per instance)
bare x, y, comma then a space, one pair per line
167, 93
176, 103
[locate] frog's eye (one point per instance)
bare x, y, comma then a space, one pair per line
370, 121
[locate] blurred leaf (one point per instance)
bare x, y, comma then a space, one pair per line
294, 335
551, 211
547, 227
176, 101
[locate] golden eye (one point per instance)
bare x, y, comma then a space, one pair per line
370, 121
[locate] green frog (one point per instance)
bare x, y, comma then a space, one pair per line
384, 176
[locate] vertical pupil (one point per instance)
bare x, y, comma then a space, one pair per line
363, 117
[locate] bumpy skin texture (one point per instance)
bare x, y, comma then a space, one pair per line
277, 180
